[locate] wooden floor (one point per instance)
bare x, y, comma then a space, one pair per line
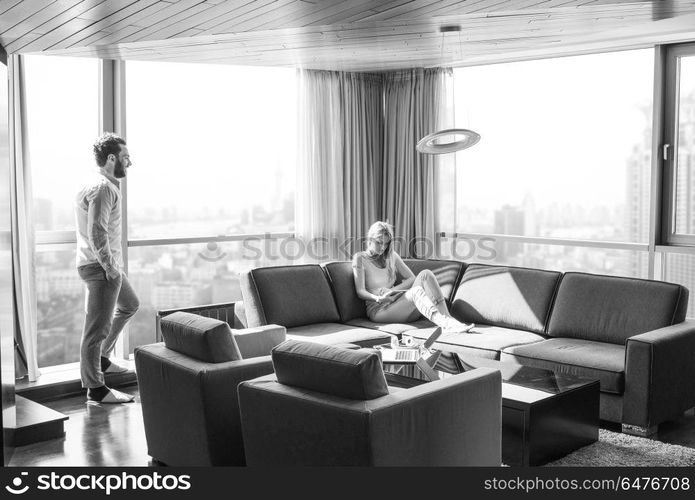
95, 435
113, 435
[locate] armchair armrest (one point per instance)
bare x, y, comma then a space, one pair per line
258, 341
190, 407
456, 421
659, 375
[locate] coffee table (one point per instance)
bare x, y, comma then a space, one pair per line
545, 414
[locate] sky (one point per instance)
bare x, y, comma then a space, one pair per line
62, 116
560, 129
218, 130
225, 131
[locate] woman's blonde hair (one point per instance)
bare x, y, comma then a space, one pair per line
385, 230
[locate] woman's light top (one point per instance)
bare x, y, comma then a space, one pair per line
376, 277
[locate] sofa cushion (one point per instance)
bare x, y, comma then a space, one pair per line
335, 333
288, 295
582, 358
350, 306
392, 328
347, 373
612, 309
510, 297
205, 339
447, 272
487, 342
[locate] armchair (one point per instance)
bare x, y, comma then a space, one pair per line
188, 387
330, 406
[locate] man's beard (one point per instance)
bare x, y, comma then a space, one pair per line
119, 169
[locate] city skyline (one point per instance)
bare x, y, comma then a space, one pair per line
175, 276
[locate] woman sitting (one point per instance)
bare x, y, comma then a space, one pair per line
375, 271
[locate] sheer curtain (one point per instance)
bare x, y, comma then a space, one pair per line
339, 159
22, 222
417, 102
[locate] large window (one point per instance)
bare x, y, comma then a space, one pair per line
565, 154
562, 178
62, 120
213, 150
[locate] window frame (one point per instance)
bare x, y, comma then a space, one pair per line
668, 147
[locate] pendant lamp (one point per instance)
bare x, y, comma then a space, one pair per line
463, 138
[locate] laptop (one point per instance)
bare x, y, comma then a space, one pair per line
409, 354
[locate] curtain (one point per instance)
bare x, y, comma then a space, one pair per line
339, 159
417, 102
22, 223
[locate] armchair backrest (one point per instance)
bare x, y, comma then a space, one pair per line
205, 339
339, 371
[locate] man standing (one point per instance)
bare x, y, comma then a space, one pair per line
110, 300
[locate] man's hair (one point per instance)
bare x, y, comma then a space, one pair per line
109, 143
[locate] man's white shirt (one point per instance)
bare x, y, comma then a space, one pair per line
98, 223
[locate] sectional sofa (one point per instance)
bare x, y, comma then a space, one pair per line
630, 334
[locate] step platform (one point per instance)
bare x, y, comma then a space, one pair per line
34, 423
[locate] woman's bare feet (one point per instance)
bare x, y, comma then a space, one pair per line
452, 325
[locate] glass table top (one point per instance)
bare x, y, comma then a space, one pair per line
519, 382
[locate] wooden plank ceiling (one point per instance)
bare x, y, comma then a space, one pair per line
357, 35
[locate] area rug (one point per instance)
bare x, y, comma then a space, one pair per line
614, 449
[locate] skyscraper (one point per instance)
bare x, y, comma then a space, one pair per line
638, 182
509, 220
